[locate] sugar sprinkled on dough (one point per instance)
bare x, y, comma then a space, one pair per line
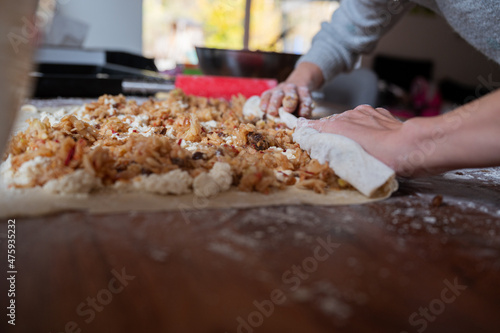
173, 182
218, 179
27, 172
79, 181
205, 186
221, 173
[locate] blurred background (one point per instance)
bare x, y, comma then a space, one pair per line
172, 28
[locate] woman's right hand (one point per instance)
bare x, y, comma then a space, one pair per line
295, 93
290, 96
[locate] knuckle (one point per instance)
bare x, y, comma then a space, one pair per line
303, 90
360, 107
383, 111
274, 103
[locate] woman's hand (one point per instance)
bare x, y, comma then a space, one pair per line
468, 137
376, 130
294, 94
290, 96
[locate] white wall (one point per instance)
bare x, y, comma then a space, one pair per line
114, 24
423, 37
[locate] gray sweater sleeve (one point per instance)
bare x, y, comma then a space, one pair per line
354, 29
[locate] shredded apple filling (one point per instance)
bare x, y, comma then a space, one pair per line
118, 141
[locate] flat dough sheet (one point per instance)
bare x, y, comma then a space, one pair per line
32, 202
35, 201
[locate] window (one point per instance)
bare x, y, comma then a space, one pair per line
172, 28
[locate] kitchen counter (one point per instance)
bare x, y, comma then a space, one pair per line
411, 263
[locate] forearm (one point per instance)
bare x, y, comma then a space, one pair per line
354, 29
464, 138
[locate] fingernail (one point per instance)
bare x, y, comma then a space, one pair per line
263, 107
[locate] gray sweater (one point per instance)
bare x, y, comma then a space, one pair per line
357, 25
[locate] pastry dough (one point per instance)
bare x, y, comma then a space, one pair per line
347, 158
207, 190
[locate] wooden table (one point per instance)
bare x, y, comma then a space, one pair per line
406, 264
401, 265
